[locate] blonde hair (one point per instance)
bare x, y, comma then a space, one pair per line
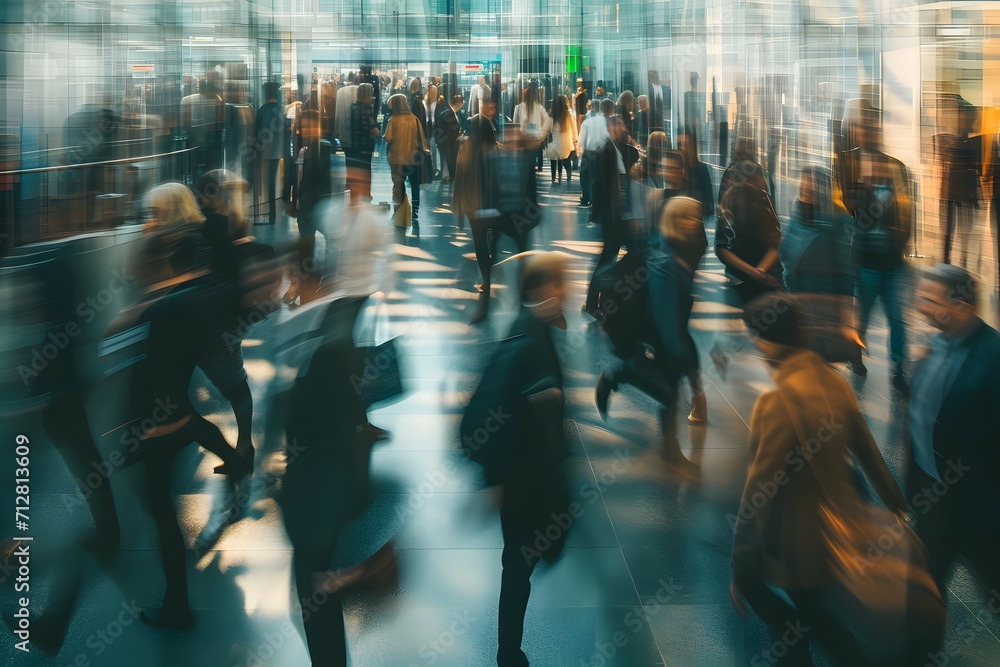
678, 207
175, 204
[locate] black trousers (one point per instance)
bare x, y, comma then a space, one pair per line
359, 174
612, 244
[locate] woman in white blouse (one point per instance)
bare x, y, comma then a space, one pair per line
564, 140
532, 118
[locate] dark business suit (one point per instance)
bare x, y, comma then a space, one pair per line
961, 514
530, 469
449, 128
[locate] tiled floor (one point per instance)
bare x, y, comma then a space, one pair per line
645, 575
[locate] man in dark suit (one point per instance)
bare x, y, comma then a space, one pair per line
449, 128
955, 396
519, 407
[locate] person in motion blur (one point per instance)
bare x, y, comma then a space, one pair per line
953, 444
875, 190
449, 129
564, 140
780, 563
525, 456
406, 139
663, 351
364, 132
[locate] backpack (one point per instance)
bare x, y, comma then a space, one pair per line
624, 302
493, 421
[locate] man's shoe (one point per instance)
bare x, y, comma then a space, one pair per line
699, 409
178, 617
605, 385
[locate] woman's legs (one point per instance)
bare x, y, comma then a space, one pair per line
554, 167
567, 164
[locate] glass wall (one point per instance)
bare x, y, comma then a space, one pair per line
106, 80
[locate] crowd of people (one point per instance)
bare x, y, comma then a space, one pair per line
807, 288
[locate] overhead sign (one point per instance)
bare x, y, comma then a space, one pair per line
474, 67
142, 71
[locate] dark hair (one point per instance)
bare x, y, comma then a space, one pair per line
560, 112
774, 317
961, 286
607, 107
457, 98
271, 89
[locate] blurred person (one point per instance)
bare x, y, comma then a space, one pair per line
564, 140
526, 456
533, 120
814, 249
270, 134
960, 181
697, 177
625, 108
606, 162
504, 200
314, 188
449, 127
480, 92
991, 187
203, 117
406, 139
430, 104
417, 104
600, 94
239, 261
182, 314
593, 135
875, 190
364, 132
660, 167
781, 565
954, 396
580, 102
748, 234
662, 351
468, 190
347, 95
642, 128
744, 169
627, 151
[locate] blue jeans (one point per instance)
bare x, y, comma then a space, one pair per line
891, 286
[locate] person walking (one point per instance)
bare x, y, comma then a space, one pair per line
564, 140
364, 133
406, 140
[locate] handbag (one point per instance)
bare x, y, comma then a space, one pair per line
380, 380
878, 565
551, 152
401, 216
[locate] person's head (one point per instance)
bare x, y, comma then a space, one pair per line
656, 146
616, 128
773, 322
432, 94
543, 286
488, 108
457, 101
171, 204
946, 296
271, 91
221, 191
688, 147
607, 108
681, 222
626, 102
643, 102
815, 186
481, 81
366, 93
560, 111
579, 84
600, 88
416, 87
398, 104
745, 150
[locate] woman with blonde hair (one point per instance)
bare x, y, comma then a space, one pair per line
663, 351
407, 141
